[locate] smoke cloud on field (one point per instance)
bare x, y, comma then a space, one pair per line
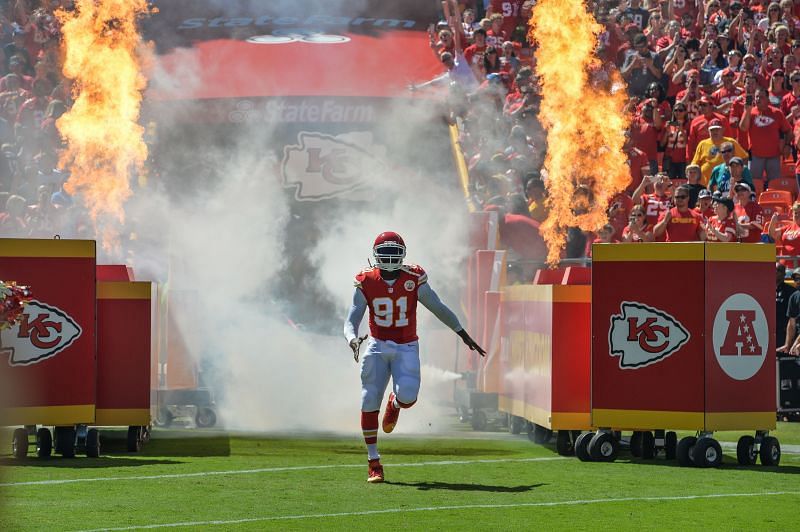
276, 356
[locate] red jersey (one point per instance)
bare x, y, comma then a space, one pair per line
392, 308
723, 95
723, 226
683, 227
510, 9
619, 211
675, 148
704, 215
654, 206
764, 132
751, 212
644, 136
734, 117
790, 239
681, 7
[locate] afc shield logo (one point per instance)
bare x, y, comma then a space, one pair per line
43, 332
409, 286
323, 166
740, 336
642, 335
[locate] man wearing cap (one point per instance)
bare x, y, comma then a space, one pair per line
722, 226
768, 131
732, 170
680, 223
704, 208
723, 97
699, 128
708, 152
748, 214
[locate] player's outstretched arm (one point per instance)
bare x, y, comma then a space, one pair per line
431, 301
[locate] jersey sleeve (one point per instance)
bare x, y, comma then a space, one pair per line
354, 316
417, 272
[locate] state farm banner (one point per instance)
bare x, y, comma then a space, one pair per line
47, 360
685, 341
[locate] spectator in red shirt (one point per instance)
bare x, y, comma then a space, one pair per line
749, 215
787, 235
723, 97
509, 11
704, 207
737, 110
722, 227
645, 131
766, 127
637, 162
619, 211
791, 99
680, 223
698, 130
474, 53
673, 141
659, 201
637, 230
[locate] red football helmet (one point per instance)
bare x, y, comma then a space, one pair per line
389, 251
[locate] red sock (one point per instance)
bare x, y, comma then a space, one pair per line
369, 426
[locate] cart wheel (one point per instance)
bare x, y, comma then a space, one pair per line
93, 443
707, 453
163, 417
603, 447
19, 443
582, 447
564, 445
746, 453
770, 451
684, 451
636, 444
65, 441
540, 435
515, 424
648, 445
134, 439
206, 417
478, 420
44, 443
670, 445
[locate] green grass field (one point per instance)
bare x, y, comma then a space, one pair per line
204, 480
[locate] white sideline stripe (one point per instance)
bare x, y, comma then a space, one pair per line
274, 470
459, 507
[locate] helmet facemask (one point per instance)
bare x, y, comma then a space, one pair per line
389, 256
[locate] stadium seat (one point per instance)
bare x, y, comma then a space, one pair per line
775, 200
548, 276
577, 275
784, 183
759, 184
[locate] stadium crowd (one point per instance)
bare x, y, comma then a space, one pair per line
713, 92
33, 95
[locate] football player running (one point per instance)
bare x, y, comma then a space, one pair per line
390, 290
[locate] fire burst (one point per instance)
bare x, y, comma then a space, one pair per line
104, 140
585, 124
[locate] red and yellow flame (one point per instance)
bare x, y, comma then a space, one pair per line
585, 124
103, 58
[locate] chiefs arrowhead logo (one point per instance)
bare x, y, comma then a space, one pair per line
323, 166
642, 335
42, 332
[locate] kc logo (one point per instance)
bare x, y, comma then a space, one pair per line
324, 166
43, 332
642, 335
740, 336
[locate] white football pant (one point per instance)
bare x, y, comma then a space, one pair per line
384, 359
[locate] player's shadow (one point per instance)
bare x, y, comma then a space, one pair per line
81, 462
425, 486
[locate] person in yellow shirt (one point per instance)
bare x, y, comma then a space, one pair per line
708, 153
537, 196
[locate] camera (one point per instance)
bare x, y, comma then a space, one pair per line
748, 100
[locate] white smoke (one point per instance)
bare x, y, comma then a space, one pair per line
227, 238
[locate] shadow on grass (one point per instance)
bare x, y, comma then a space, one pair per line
81, 462
428, 451
728, 463
174, 445
425, 486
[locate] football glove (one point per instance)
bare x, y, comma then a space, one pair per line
355, 345
472, 344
